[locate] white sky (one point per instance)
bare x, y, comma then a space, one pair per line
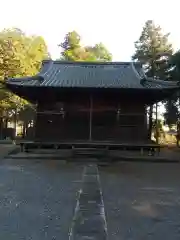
116, 23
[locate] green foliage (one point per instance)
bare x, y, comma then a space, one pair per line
27, 113
172, 113
20, 55
72, 50
159, 125
71, 47
100, 52
174, 66
153, 50
173, 105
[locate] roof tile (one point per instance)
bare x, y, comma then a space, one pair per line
91, 75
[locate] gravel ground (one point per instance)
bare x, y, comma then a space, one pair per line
37, 199
142, 200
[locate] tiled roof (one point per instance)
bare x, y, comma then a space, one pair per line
91, 75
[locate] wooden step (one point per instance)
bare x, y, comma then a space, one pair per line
89, 152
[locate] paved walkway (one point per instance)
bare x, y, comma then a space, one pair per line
89, 220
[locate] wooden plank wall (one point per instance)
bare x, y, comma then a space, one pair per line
129, 125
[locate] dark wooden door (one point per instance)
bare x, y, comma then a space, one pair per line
76, 125
103, 124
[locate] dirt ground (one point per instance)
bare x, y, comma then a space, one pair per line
142, 200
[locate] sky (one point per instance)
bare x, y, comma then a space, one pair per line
115, 23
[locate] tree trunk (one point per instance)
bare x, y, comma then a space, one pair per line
150, 122
25, 126
6, 123
157, 129
24, 129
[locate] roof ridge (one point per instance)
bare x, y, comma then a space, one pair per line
86, 62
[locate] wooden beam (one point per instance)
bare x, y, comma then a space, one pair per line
50, 113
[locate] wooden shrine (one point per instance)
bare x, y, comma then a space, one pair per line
91, 101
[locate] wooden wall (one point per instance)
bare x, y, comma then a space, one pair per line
129, 125
71, 121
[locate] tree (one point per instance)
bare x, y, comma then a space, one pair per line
153, 50
100, 52
174, 65
27, 116
173, 105
72, 50
71, 47
20, 55
172, 113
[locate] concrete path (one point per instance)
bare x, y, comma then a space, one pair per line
89, 220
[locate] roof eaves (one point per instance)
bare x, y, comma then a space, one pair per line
149, 82
163, 83
25, 80
139, 73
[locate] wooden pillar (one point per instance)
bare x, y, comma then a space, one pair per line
157, 132
35, 122
90, 117
15, 121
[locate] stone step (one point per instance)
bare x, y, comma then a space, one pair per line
89, 152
